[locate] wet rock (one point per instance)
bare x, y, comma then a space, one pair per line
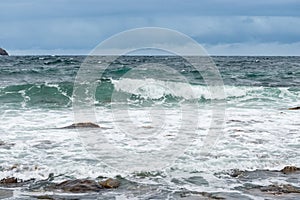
110, 183
245, 175
289, 169
82, 125
295, 108
3, 52
77, 186
235, 173
9, 180
211, 196
6, 145
279, 189
41, 184
282, 191
199, 195
257, 193
14, 182
44, 197
145, 174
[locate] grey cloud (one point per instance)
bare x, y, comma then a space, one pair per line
31, 9
87, 33
82, 24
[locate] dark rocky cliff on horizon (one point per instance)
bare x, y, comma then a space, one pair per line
3, 52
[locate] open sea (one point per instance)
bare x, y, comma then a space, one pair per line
141, 111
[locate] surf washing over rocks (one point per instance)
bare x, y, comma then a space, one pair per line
256, 156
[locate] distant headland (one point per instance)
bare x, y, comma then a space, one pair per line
3, 52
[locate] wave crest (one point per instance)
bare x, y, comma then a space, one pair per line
137, 90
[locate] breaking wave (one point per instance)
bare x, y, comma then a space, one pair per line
139, 90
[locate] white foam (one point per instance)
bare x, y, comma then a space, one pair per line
253, 137
156, 89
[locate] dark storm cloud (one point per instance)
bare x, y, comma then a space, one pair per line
74, 24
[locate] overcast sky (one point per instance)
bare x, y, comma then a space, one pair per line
223, 27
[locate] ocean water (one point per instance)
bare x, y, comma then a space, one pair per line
146, 109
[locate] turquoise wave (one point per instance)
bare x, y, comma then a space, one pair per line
137, 91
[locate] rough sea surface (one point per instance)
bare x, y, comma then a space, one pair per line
260, 135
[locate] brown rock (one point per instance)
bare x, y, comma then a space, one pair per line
295, 108
82, 125
45, 197
110, 183
289, 169
12, 182
78, 186
8, 180
279, 189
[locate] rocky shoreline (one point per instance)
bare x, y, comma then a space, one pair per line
92, 188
